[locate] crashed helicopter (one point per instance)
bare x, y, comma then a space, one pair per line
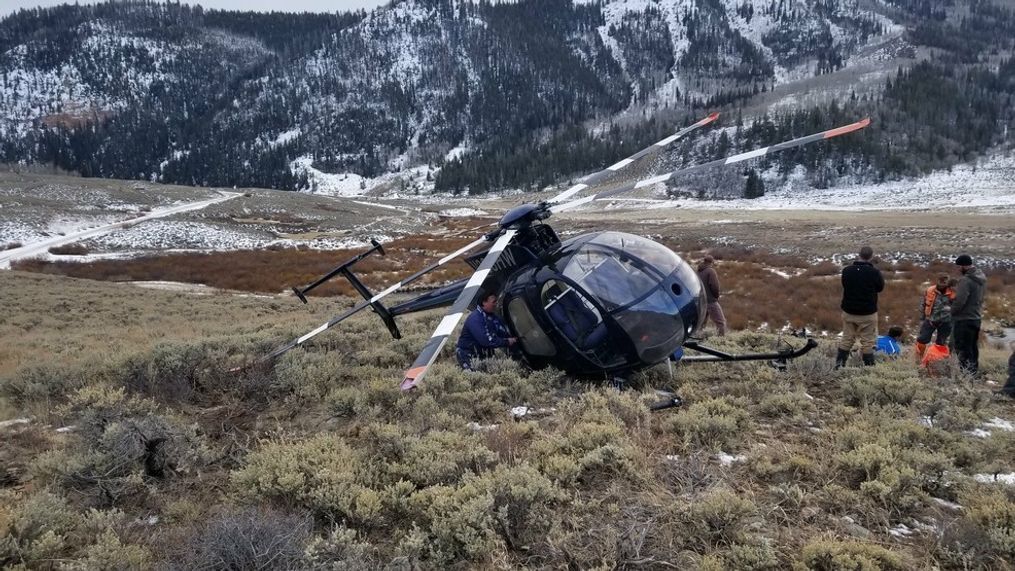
602, 304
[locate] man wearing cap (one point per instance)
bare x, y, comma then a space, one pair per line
861, 283
967, 310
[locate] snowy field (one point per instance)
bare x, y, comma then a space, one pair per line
118, 218
989, 186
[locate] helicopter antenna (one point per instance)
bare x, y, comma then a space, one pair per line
447, 325
830, 133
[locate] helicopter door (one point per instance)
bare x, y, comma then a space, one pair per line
576, 317
534, 340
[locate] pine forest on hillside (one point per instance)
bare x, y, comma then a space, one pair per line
166, 92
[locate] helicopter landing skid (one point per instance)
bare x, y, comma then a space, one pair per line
778, 358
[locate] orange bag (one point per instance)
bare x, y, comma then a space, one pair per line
935, 358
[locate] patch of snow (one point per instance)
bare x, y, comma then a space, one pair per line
988, 185
285, 137
456, 153
413, 180
728, 460
946, 504
519, 411
779, 273
1006, 479
41, 248
901, 530
167, 235
477, 427
979, 433
14, 422
462, 212
341, 184
1000, 423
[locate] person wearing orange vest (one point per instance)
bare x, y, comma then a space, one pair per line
935, 314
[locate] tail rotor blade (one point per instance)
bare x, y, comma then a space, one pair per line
447, 325
608, 171
838, 131
366, 303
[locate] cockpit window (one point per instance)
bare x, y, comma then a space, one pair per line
620, 268
533, 339
578, 319
643, 285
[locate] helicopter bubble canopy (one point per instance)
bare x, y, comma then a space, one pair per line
650, 292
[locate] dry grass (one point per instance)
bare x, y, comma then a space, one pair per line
325, 457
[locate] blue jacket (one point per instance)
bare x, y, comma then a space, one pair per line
482, 333
888, 345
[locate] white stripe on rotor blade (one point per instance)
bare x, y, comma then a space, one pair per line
447, 325
477, 278
311, 334
570, 192
747, 155
459, 252
386, 292
653, 180
619, 165
573, 204
503, 242
668, 140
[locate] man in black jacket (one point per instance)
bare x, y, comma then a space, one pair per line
861, 283
967, 311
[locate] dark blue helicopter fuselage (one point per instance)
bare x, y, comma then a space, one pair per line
598, 304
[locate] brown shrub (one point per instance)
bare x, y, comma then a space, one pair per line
754, 294
69, 250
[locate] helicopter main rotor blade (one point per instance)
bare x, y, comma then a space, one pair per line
377, 297
830, 133
610, 170
447, 325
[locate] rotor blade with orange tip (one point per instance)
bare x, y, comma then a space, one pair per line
717, 163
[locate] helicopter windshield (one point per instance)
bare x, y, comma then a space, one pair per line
643, 285
620, 268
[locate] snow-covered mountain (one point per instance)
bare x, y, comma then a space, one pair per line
167, 92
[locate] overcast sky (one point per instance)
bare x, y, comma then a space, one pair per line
9, 6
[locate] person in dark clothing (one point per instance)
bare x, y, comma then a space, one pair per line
1008, 389
967, 311
935, 314
861, 284
483, 333
710, 279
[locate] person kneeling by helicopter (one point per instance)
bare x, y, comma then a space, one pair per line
483, 333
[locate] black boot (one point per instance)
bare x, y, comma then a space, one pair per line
840, 358
868, 359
